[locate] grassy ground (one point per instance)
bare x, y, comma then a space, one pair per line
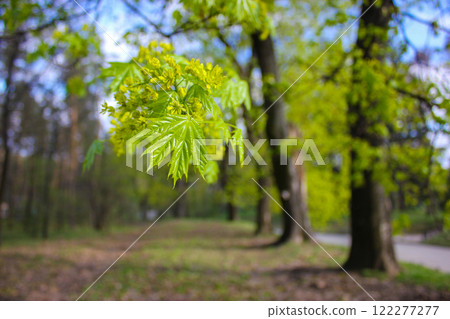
17, 237
198, 260
419, 275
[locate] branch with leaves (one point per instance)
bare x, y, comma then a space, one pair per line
180, 102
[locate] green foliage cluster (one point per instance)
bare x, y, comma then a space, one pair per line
16, 14
320, 109
400, 224
251, 14
177, 101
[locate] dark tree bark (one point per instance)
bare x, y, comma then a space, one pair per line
143, 205
28, 222
181, 206
231, 209
12, 54
100, 197
60, 181
371, 231
48, 178
277, 128
263, 214
100, 216
232, 212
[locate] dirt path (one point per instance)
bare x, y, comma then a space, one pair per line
188, 261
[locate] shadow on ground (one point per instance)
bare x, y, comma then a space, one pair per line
189, 260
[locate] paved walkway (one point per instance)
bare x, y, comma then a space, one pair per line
435, 257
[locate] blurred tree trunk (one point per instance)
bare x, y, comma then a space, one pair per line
303, 199
447, 197
304, 213
74, 149
100, 195
100, 215
15, 170
232, 212
231, 208
28, 218
263, 213
101, 207
143, 206
307, 231
49, 167
12, 53
60, 182
181, 206
276, 128
73, 105
398, 197
370, 207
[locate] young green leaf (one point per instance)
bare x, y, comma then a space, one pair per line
121, 71
96, 148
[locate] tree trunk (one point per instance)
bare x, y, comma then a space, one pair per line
181, 206
304, 214
100, 216
48, 178
232, 212
60, 183
263, 214
276, 128
301, 175
371, 231
73, 106
29, 218
12, 51
231, 208
144, 208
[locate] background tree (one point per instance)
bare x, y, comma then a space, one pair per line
370, 210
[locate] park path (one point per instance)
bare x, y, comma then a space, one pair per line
435, 257
190, 260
